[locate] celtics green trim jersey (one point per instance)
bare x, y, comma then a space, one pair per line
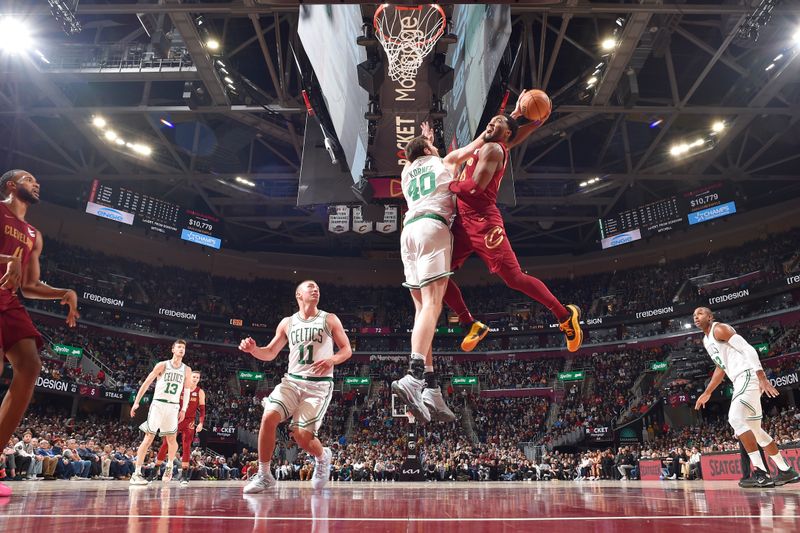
169, 385
426, 187
309, 341
725, 356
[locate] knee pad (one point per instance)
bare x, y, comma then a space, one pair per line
739, 424
762, 437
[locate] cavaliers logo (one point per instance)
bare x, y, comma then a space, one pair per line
470, 161
494, 237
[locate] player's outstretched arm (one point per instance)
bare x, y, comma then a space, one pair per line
35, 289
13, 275
345, 351
187, 392
157, 371
271, 350
716, 379
524, 130
201, 408
459, 155
489, 160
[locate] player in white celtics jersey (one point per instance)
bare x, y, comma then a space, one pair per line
306, 389
737, 359
426, 247
172, 379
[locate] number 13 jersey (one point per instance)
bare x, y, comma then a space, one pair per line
426, 187
169, 385
309, 341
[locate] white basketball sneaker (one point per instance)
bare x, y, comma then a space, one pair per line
322, 470
260, 482
409, 389
434, 401
138, 479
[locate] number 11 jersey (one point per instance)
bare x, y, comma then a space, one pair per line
426, 187
309, 341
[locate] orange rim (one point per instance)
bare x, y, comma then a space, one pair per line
382, 7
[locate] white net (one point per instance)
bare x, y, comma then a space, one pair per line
408, 34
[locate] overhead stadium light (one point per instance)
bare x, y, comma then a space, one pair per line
99, 122
15, 36
244, 181
212, 44
110, 135
608, 44
718, 126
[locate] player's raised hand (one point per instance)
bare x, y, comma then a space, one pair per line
11, 279
134, 407
765, 387
702, 401
70, 299
426, 130
517, 111
248, 345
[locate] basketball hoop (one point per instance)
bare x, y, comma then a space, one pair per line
408, 34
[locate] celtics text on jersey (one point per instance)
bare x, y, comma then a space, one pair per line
169, 385
310, 340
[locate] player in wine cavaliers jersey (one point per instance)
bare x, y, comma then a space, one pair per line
186, 428
479, 229
20, 248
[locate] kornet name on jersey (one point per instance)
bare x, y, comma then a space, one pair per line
169, 385
487, 198
18, 239
309, 341
725, 356
426, 187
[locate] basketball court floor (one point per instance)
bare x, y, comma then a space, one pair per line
654, 506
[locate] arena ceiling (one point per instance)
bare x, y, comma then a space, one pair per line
679, 68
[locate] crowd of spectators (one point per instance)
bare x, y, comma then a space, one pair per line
265, 301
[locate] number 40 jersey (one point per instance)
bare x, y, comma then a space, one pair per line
426, 187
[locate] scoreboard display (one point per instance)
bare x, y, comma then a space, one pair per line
136, 209
692, 207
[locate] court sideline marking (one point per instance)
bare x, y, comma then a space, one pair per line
409, 519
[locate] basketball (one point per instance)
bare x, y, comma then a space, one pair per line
535, 105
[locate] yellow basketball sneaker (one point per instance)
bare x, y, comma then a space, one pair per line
572, 328
476, 333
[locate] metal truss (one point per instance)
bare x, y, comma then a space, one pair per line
690, 48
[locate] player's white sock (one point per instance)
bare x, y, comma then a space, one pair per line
755, 458
428, 368
415, 355
138, 470
263, 467
779, 462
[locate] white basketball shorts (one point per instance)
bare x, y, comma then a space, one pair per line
426, 247
745, 402
162, 418
305, 401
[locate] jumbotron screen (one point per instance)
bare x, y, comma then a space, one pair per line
126, 206
679, 211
